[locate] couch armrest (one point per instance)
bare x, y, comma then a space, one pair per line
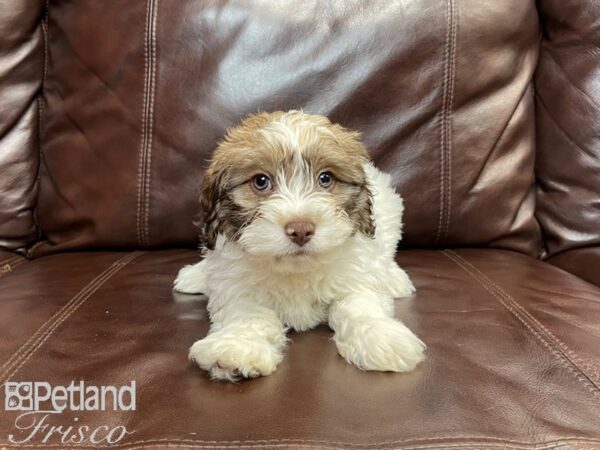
22, 67
583, 262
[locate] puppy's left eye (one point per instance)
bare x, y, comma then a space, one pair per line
325, 180
262, 183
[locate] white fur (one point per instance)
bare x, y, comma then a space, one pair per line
259, 286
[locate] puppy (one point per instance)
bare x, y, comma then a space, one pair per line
298, 228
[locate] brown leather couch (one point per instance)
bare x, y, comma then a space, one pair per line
487, 115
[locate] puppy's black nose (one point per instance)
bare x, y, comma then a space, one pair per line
300, 232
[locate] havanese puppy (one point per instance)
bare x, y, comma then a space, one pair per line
298, 228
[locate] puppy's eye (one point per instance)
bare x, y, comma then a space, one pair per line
262, 183
325, 180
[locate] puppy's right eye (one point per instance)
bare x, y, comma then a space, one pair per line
262, 183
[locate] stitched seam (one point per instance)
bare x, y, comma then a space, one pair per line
10, 265
148, 177
144, 137
25, 352
442, 123
484, 281
41, 103
10, 260
416, 441
445, 122
45, 34
449, 106
321, 446
560, 356
47, 329
144, 172
555, 340
412, 443
48, 323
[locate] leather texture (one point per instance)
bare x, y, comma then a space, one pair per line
513, 353
583, 262
441, 91
21, 73
135, 94
567, 116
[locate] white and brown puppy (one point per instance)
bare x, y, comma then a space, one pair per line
298, 228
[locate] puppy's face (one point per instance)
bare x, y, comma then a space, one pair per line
286, 185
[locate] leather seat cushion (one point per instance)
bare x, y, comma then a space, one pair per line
513, 351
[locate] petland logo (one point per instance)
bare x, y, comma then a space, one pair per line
39, 402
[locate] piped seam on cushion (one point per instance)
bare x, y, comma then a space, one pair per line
406, 444
564, 354
41, 99
144, 166
446, 122
26, 351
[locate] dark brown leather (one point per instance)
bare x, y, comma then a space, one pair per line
21, 73
513, 351
8, 262
568, 118
441, 91
583, 262
135, 97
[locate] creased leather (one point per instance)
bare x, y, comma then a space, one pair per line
511, 341
583, 262
21, 73
440, 90
567, 84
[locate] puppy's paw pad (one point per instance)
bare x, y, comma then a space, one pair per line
190, 280
383, 345
232, 360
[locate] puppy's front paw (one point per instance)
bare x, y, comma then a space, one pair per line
191, 280
231, 359
400, 284
380, 344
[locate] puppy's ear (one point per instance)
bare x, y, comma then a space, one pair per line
363, 213
210, 199
353, 158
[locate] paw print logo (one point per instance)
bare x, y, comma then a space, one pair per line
18, 396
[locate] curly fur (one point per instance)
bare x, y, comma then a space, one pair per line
260, 283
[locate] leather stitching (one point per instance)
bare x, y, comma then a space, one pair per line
407, 444
542, 334
10, 260
41, 98
143, 137
446, 122
556, 341
442, 129
151, 123
10, 264
143, 194
24, 353
449, 118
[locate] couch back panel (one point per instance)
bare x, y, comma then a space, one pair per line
21, 73
140, 92
568, 125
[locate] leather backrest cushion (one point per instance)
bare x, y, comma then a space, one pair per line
21, 73
140, 92
568, 124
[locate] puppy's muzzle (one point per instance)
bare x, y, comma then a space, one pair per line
300, 232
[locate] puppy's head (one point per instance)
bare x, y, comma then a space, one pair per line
286, 184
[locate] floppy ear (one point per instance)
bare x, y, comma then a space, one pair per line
354, 156
210, 199
363, 212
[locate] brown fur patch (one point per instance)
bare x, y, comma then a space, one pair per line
261, 145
